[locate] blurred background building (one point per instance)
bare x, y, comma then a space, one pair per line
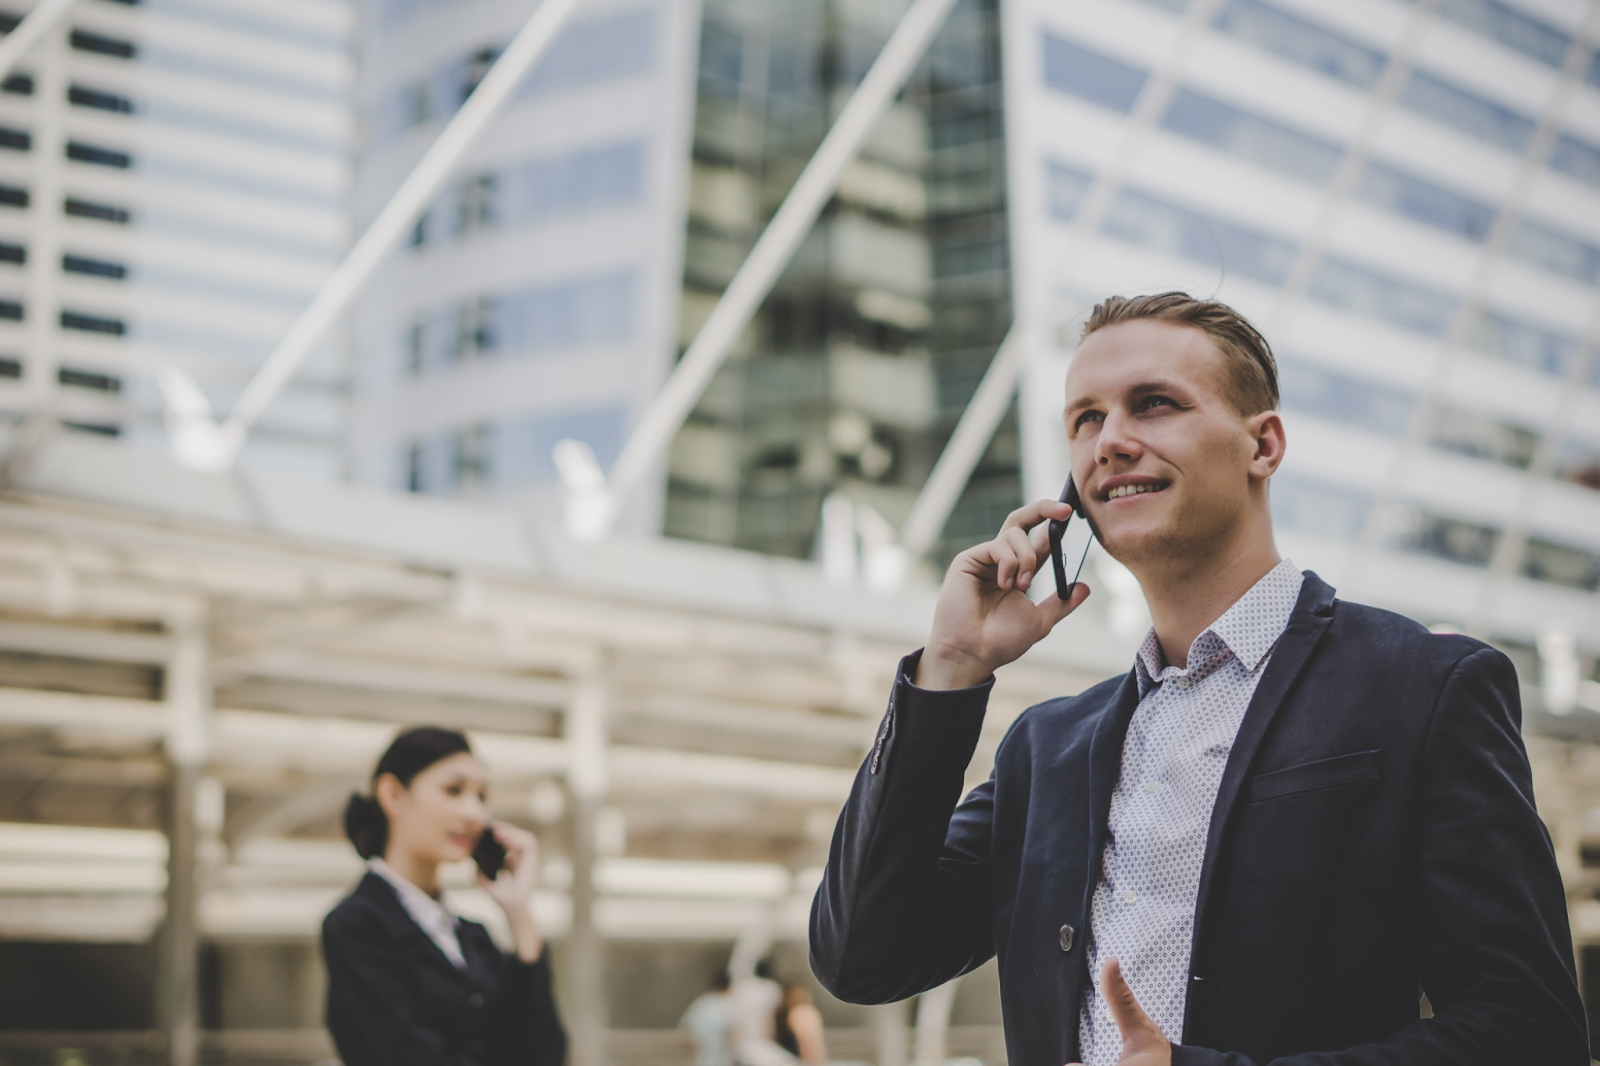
174, 186
199, 667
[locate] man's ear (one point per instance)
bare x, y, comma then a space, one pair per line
1266, 429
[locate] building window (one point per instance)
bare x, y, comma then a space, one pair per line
20, 84
573, 314
99, 268
1340, 283
1506, 25
88, 379
1073, 69
1445, 538
100, 101
1064, 187
1433, 205
1543, 560
1319, 508
93, 323
99, 212
1556, 252
477, 204
1483, 438
1144, 219
13, 253
98, 429
11, 368
16, 140
473, 70
596, 49
1302, 41
1574, 157
1261, 140
11, 309
1521, 342
13, 196
473, 456
84, 41
1468, 112
101, 157
1328, 394
1580, 464
601, 177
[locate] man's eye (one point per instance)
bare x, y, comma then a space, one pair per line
1086, 417
1156, 401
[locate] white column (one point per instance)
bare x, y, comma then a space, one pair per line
188, 699
589, 778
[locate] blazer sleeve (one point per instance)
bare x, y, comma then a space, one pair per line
1495, 947
528, 1029
372, 1008
904, 901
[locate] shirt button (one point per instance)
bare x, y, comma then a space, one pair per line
1068, 936
1151, 786
1183, 682
475, 1000
1130, 896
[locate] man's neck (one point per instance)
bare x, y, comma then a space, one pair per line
1182, 605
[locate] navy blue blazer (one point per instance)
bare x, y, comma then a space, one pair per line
395, 999
1374, 837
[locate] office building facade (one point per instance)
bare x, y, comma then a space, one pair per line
1406, 197
549, 290
174, 180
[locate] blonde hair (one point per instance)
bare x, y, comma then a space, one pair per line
1252, 372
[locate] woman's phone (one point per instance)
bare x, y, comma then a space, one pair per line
490, 854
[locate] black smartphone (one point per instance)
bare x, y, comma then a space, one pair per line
1058, 532
490, 854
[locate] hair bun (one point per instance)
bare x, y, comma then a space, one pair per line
366, 825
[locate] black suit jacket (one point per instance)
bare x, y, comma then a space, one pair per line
395, 999
1374, 835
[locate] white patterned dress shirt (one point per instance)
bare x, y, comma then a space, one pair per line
430, 914
1172, 761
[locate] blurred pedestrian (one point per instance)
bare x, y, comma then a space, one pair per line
410, 983
800, 1027
711, 1021
756, 998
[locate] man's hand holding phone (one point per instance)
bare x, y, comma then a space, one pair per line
984, 618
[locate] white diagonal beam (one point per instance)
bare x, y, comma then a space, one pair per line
35, 25
988, 406
773, 250
397, 216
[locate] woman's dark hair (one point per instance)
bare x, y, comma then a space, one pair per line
412, 752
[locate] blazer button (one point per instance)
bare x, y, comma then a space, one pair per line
475, 1000
476, 1047
1068, 937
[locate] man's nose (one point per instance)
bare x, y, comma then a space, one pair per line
1116, 440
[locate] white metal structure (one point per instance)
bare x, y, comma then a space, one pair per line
205, 445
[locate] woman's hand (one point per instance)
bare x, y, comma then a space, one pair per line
514, 888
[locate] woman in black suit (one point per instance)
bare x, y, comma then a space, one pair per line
409, 983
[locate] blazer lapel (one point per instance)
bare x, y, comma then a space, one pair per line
403, 927
1309, 621
1105, 766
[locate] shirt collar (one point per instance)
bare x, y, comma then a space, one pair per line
1248, 629
428, 912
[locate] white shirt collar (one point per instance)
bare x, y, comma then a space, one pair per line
1248, 629
430, 914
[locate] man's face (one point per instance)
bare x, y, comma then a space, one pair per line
1162, 458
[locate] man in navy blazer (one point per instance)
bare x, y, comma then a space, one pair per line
1293, 818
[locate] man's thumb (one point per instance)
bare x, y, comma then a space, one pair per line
1135, 1025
